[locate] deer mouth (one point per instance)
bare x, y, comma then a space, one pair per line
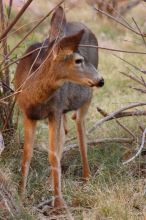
97, 83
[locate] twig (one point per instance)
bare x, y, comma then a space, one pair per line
7, 86
143, 81
7, 205
139, 30
133, 78
140, 149
15, 19
130, 5
119, 22
139, 89
100, 141
24, 56
15, 93
3, 102
2, 146
46, 202
113, 114
9, 114
10, 8
128, 63
128, 114
16, 46
81, 45
20, 27
119, 14
118, 122
112, 49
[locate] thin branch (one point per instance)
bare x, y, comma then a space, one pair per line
126, 114
100, 141
32, 29
140, 149
2, 146
20, 27
81, 45
129, 6
128, 63
3, 102
9, 115
44, 203
10, 8
139, 89
24, 56
112, 49
119, 22
15, 93
125, 128
143, 81
103, 113
113, 114
133, 78
139, 30
15, 19
122, 18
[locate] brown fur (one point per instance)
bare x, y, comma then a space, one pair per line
59, 81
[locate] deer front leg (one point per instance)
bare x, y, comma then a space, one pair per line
54, 159
81, 133
29, 131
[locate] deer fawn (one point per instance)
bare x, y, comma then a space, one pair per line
59, 81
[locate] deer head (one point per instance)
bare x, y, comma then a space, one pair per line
68, 64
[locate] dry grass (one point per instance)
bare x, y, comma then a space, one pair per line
114, 191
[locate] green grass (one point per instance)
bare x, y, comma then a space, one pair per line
114, 191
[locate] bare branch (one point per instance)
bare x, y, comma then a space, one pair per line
2, 146
112, 49
133, 78
81, 45
128, 63
140, 149
113, 114
100, 141
139, 31
10, 8
127, 114
119, 22
139, 89
102, 112
32, 30
15, 19
129, 6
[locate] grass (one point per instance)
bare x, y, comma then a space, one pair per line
114, 191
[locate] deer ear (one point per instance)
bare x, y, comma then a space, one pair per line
71, 43
58, 22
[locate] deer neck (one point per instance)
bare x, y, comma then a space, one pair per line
43, 85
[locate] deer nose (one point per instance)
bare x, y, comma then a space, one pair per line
101, 83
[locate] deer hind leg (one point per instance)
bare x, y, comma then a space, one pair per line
81, 134
54, 159
29, 132
65, 123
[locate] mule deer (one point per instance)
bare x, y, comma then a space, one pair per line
60, 81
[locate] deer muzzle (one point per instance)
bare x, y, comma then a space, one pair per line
100, 83
97, 83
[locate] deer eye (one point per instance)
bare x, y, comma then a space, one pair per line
79, 61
